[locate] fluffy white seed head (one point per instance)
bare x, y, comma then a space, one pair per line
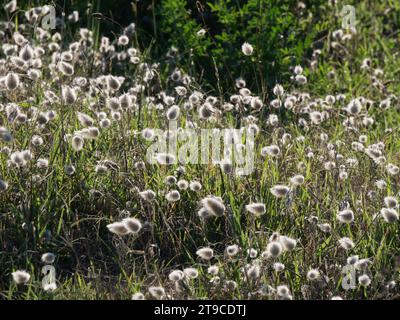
214, 206
278, 266
346, 243
364, 280
297, 180
195, 186
288, 243
21, 276
132, 224
390, 215
118, 228
313, 274
280, 191
390, 202
247, 49
205, 253
12, 81
274, 249
176, 275
157, 292
77, 142
138, 296
173, 196
48, 257
232, 250
257, 209
345, 216
173, 113
191, 273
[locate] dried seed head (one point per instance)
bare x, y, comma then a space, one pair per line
195, 186
274, 249
173, 196
21, 276
390, 215
138, 296
297, 180
205, 253
247, 49
346, 243
165, 158
119, 228
191, 273
132, 224
77, 142
364, 280
213, 206
12, 81
173, 112
232, 250
157, 292
390, 202
313, 274
176, 275
345, 216
68, 95
256, 208
48, 258
280, 191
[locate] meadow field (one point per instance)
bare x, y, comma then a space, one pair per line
181, 149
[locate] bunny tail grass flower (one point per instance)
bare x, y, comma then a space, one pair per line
85, 120
364, 280
345, 216
257, 209
313, 274
68, 95
247, 49
48, 258
165, 158
173, 196
254, 272
77, 142
191, 273
214, 206
195, 186
176, 275
346, 243
288, 244
274, 249
3, 185
232, 250
170, 180
205, 253
132, 224
119, 228
173, 112
278, 266
283, 291
147, 195
280, 191
157, 292
297, 180
138, 296
213, 270
182, 184
390, 202
12, 81
390, 215
21, 276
